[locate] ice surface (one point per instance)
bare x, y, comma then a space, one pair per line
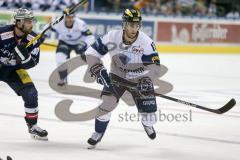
209, 80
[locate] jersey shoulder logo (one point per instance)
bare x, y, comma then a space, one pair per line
7, 35
30, 37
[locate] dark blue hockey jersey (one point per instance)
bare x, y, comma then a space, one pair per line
8, 41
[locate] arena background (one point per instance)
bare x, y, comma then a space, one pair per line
198, 43
178, 31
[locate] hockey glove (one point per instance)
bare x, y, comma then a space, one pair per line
102, 77
82, 47
21, 52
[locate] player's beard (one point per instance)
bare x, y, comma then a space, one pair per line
26, 30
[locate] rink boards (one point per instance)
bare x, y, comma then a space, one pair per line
178, 35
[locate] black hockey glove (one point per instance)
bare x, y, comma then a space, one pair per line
102, 77
21, 52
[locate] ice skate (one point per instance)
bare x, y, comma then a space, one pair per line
150, 131
62, 82
94, 140
37, 133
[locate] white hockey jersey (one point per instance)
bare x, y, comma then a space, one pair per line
128, 61
74, 35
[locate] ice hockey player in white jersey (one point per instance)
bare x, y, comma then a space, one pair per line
134, 60
73, 34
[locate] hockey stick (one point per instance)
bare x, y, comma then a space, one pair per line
70, 10
49, 44
229, 105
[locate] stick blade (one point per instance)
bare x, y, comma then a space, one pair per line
227, 106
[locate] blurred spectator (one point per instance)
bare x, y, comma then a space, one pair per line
168, 7
53, 5
184, 7
199, 8
164, 7
234, 13
102, 6
59, 5
212, 9
116, 5
153, 7
27, 3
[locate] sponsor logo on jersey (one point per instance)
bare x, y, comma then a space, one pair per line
35, 51
137, 50
6, 53
7, 35
69, 36
138, 70
30, 37
148, 103
7, 57
76, 30
155, 58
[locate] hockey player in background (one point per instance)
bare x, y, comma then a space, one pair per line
74, 35
133, 62
15, 59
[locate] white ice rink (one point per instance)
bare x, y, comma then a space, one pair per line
208, 80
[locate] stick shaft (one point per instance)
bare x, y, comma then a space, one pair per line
82, 2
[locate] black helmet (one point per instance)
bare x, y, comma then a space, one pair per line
67, 12
132, 15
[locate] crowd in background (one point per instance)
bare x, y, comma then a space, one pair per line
199, 8
43, 5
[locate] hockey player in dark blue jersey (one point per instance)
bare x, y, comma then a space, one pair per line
15, 59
